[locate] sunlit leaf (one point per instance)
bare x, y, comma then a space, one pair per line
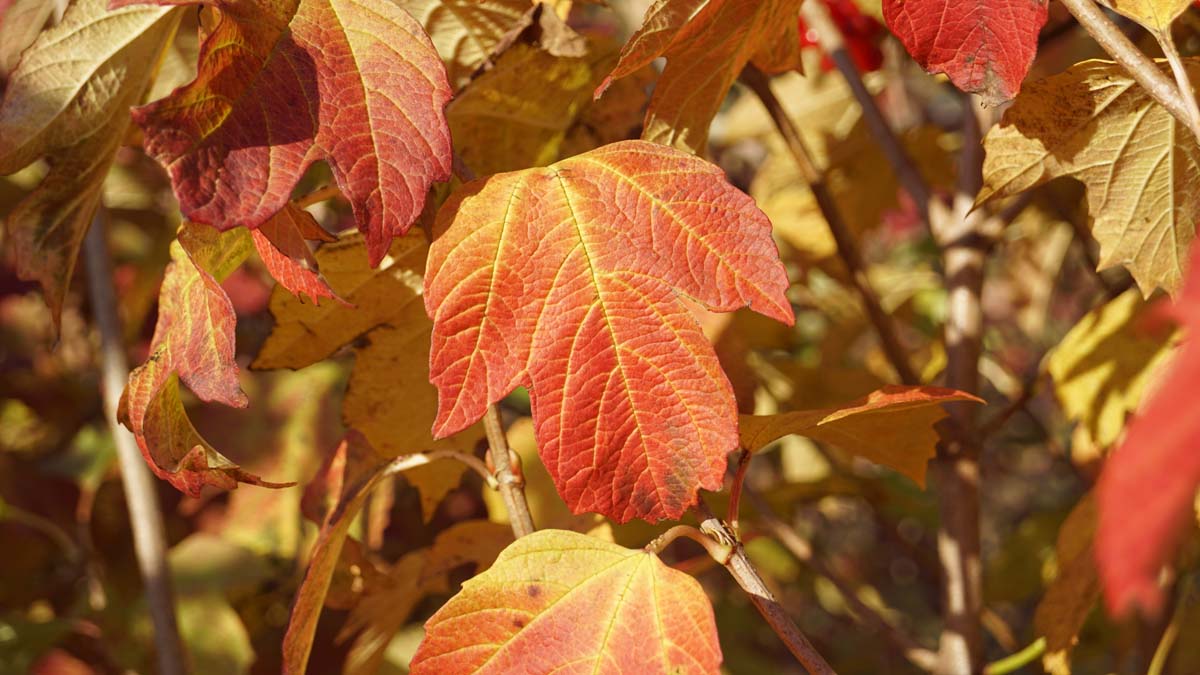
624, 609
282, 84
563, 279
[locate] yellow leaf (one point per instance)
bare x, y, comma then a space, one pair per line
69, 100
389, 398
1102, 366
1155, 15
1140, 166
1075, 589
893, 426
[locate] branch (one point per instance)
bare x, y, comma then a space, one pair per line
919, 656
141, 497
846, 246
965, 243
1143, 70
512, 485
406, 462
747, 577
830, 39
1186, 92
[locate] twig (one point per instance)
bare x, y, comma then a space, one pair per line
846, 246
512, 485
1167, 42
747, 577
1015, 662
47, 527
831, 41
919, 656
406, 462
735, 492
956, 467
141, 497
1139, 66
716, 550
318, 195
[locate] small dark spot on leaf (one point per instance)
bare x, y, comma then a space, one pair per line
519, 623
534, 591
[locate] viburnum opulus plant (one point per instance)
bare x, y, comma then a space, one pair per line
551, 278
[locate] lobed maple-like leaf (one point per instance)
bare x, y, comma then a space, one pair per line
193, 342
893, 426
1147, 490
67, 101
563, 602
707, 43
284, 83
1139, 164
563, 279
984, 46
281, 245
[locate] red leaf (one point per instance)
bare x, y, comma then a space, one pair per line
284, 83
193, 342
1147, 490
281, 246
564, 279
983, 46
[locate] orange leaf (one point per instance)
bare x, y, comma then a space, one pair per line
707, 44
564, 279
193, 342
892, 426
623, 610
1147, 491
280, 243
347, 477
283, 83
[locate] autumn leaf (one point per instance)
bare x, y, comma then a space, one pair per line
67, 101
985, 47
1147, 490
281, 245
385, 322
389, 603
1094, 123
893, 426
707, 43
563, 279
20, 23
193, 343
349, 475
1075, 589
624, 609
466, 31
280, 85
1155, 15
1103, 365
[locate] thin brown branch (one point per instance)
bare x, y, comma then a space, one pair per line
141, 495
715, 549
318, 195
1140, 67
745, 574
406, 462
847, 247
511, 483
965, 243
919, 656
1186, 91
735, 492
832, 42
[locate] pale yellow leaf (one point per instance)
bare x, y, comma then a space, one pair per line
1141, 167
1155, 15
